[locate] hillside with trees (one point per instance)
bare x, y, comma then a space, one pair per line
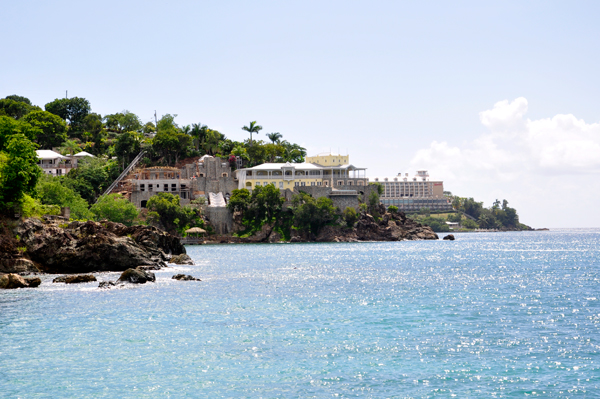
471, 215
69, 125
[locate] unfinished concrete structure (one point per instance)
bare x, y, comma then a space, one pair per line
193, 180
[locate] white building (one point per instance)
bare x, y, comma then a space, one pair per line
413, 193
56, 164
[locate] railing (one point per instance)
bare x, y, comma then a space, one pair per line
123, 174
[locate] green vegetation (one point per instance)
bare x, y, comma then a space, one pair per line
498, 217
165, 212
116, 208
311, 214
70, 125
52, 191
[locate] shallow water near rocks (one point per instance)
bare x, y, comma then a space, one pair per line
487, 315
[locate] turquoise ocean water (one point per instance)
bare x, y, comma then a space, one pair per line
488, 315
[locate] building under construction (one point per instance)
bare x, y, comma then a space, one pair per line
207, 177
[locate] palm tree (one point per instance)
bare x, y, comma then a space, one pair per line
253, 128
186, 129
70, 147
274, 137
198, 133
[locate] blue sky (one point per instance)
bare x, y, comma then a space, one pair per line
398, 85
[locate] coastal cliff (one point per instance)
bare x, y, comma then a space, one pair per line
82, 247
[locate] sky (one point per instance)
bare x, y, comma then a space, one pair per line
497, 99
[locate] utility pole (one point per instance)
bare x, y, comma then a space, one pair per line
66, 93
155, 121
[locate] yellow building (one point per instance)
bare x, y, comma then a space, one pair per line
321, 170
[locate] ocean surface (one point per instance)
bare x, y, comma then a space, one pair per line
487, 315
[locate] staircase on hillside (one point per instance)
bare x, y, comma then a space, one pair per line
123, 174
216, 199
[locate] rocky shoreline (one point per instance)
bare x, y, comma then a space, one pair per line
390, 227
77, 249
49, 246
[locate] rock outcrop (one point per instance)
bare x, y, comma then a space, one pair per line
185, 277
84, 247
183, 259
12, 281
449, 237
76, 279
136, 276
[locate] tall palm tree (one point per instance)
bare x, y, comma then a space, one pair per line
274, 137
253, 128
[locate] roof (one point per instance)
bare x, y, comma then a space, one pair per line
83, 154
300, 166
48, 154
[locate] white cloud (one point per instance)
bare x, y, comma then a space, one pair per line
519, 156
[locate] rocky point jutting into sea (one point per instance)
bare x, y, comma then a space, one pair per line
54, 246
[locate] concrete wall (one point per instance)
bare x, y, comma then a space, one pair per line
220, 218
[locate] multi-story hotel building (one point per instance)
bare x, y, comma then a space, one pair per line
412, 194
321, 170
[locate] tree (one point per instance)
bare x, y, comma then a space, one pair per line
350, 216
53, 128
116, 208
252, 128
15, 109
274, 137
51, 191
20, 99
70, 147
171, 144
10, 126
164, 209
265, 204
73, 110
393, 209
198, 133
293, 152
19, 173
91, 177
239, 200
311, 215
127, 147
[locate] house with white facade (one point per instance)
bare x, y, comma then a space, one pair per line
55, 164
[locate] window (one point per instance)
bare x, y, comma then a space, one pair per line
257, 184
143, 204
173, 187
166, 187
350, 183
150, 187
303, 184
142, 187
280, 184
312, 183
340, 182
224, 175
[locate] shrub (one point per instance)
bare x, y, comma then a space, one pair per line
115, 208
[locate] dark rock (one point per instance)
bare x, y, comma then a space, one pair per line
262, 235
107, 284
136, 276
12, 281
17, 264
274, 237
182, 259
32, 282
449, 237
78, 278
185, 277
84, 247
